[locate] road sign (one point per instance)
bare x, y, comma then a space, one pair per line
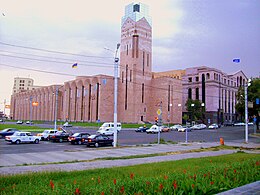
159, 111
257, 101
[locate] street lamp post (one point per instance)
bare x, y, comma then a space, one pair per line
246, 110
116, 60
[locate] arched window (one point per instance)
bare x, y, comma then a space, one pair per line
208, 76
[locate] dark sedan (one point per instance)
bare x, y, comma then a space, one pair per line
78, 138
141, 129
99, 140
60, 136
8, 131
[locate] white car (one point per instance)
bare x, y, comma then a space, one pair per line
19, 122
239, 124
22, 137
29, 123
108, 128
199, 126
153, 129
67, 125
213, 126
175, 127
45, 135
184, 128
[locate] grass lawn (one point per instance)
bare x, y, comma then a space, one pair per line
22, 127
208, 175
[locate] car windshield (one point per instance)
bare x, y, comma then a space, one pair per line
76, 134
92, 136
5, 130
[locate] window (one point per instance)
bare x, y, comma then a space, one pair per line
147, 59
136, 8
197, 93
189, 93
197, 78
208, 76
126, 49
122, 76
190, 79
130, 75
142, 92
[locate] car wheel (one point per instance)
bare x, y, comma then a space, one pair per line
48, 138
36, 141
79, 142
60, 140
96, 145
18, 141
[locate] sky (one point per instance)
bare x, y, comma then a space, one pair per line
38, 38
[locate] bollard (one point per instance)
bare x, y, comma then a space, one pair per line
221, 141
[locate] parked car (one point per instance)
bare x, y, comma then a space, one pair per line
213, 126
175, 127
19, 122
165, 129
99, 140
22, 137
142, 129
199, 126
239, 124
153, 129
60, 136
1, 120
228, 123
184, 128
29, 122
108, 128
8, 131
67, 125
250, 123
46, 134
78, 138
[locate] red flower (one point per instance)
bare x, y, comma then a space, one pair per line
165, 177
132, 176
102, 193
161, 187
115, 181
51, 184
184, 171
148, 183
175, 186
77, 191
194, 176
2, 189
192, 185
257, 163
122, 190
212, 182
235, 170
205, 175
98, 179
74, 182
13, 186
210, 161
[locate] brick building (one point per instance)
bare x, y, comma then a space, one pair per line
89, 98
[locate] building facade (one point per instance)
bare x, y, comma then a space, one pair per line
91, 98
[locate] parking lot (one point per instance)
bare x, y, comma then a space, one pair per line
130, 137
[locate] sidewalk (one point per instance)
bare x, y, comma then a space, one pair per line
9, 162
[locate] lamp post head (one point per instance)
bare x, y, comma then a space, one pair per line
117, 46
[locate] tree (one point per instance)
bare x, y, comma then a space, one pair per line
197, 111
253, 94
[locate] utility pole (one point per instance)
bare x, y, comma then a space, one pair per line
116, 60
